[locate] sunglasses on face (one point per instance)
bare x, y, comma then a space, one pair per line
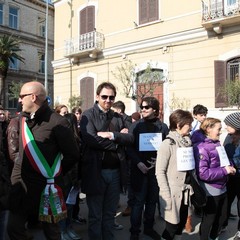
105, 97
21, 96
146, 107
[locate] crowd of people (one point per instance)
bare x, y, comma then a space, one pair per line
48, 156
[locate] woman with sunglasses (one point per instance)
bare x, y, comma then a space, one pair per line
148, 134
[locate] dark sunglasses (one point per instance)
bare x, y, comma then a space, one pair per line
146, 107
105, 97
21, 96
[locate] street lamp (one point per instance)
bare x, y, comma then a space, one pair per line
46, 48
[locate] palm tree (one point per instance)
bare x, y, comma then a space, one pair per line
9, 49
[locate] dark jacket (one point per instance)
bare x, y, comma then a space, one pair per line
136, 156
94, 147
52, 135
4, 173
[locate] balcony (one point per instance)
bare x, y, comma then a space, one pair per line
88, 44
220, 13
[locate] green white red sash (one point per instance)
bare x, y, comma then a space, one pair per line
52, 204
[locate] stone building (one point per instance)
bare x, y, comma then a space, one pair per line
26, 21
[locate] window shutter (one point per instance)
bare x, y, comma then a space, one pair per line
220, 80
83, 20
87, 92
148, 11
153, 10
90, 19
87, 20
143, 11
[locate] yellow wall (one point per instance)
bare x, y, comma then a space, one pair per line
189, 56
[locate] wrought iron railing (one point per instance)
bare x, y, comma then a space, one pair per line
87, 41
213, 9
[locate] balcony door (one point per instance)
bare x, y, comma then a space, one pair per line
87, 20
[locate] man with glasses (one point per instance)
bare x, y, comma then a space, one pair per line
44, 156
104, 167
148, 133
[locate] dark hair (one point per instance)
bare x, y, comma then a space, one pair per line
153, 103
59, 107
72, 119
200, 109
106, 85
119, 105
180, 117
77, 109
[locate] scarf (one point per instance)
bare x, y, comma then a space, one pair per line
52, 204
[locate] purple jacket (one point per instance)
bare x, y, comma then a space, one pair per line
208, 163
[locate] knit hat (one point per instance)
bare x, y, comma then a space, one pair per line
233, 120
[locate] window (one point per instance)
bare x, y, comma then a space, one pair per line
12, 102
14, 64
13, 17
233, 69
148, 11
227, 87
42, 30
1, 14
149, 82
41, 63
42, 26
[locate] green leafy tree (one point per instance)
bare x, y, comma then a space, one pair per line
9, 51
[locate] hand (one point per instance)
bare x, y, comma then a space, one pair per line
152, 163
230, 170
104, 135
124, 130
142, 167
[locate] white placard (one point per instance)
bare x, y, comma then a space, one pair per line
185, 159
150, 141
224, 161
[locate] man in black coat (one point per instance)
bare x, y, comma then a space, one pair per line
47, 150
104, 162
148, 134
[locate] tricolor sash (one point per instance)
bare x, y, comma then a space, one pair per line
52, 204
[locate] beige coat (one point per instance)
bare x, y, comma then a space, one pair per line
170, 181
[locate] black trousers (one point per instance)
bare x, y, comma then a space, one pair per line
17, 231
233, 190
214, 215
176, 229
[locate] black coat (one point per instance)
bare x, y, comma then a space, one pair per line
94, 147
52, 135
136, 156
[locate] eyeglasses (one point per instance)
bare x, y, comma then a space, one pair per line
21, 96
146, 107
105, 97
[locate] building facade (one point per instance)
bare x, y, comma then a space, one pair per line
193, 45
26, 21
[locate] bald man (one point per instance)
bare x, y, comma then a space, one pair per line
47, 150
